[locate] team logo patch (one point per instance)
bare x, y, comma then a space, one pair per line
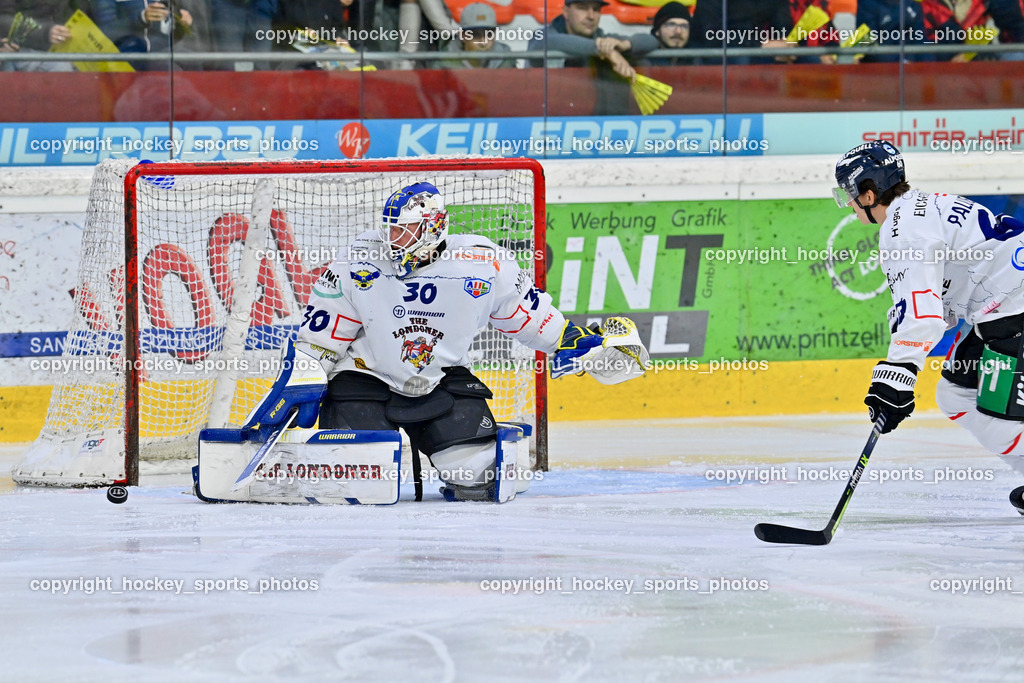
364, 277
477, 288
1018, 259
327, 286
418, 351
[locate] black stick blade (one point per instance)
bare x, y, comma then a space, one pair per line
776, 533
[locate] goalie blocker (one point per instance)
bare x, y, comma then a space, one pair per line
334, 466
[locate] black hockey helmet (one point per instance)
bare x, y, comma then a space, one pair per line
879, 161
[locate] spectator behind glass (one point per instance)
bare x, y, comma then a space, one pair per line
141, 26
327, 20
478, 24
49, 17
410, 15
883, 17
199, 37
242, 26
1008, 16
672, 29
576, 33
941, 27
752, 23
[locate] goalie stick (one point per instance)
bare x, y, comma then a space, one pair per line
250, 470
777, 533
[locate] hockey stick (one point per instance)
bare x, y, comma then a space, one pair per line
417, 473
777, 533
249, 472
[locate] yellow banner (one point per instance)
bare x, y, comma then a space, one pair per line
86, 36
812, 19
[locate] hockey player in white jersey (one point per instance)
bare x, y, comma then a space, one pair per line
946, 259
391, 323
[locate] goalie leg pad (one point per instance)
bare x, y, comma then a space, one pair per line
310, 466
488, 471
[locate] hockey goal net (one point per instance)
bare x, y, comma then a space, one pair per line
193, 276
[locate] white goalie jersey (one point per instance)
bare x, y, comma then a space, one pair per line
404, 331
946, 258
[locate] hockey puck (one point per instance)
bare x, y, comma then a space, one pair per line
1017, 499
117, 494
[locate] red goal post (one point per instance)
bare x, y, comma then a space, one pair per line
218, 260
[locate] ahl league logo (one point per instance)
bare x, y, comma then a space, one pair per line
477, 288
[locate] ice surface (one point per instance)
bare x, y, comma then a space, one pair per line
398, 590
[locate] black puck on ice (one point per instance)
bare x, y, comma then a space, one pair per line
117, 494
1017, 499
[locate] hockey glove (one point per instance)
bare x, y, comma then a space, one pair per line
300, 385
891, 392
576, 342
610, 355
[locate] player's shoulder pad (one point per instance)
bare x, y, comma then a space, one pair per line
367, 246
476, 248
909, 216
328, 283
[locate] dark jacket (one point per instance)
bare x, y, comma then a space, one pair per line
1008, 16
121, 21
47, 13
883, 17
757, 20
314, 14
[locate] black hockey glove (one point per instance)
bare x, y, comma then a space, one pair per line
891, 392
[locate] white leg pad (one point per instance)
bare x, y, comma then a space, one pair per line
478, 466
1002, 437
305, 466
467, 465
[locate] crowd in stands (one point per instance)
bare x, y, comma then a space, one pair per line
468, 34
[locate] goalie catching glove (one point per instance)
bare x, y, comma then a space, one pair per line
300, 385
610, 355
891, 392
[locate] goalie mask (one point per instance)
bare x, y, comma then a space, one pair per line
414, 222
878, 161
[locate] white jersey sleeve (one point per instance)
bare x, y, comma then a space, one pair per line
330, 321
945, 259
917, 317
522, 310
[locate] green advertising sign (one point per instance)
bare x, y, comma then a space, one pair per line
758, 280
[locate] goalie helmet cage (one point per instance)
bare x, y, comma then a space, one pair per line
218, 262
